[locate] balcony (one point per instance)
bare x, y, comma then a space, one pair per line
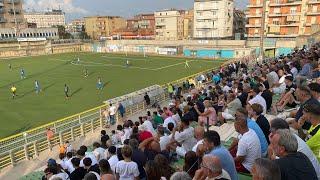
313, 2
16, 11
285, 3
14, 1
255, 5
284, 14
253, 25
312, 13
254, 15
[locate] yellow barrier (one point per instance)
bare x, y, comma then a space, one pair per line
30, 143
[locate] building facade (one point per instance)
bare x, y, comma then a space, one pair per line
239, 24
169, 25
11, 14
213, 19
46, 19
29, 33
283, 18
98, 27
75, 26
188, 24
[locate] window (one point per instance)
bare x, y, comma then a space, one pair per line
314, 8
256, 31
293, 10
313, 19
214, 13
256, 21
257, 11
275, 21
276, 10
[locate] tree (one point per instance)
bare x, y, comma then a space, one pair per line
62, 32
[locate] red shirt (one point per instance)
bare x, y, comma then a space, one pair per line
144, 135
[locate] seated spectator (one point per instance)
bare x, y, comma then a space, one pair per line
248, 148
267, 95
163, 164
315, 90
163, 138
229, 111
138, 157
105, 170
190, 163
257, 99
255, 113
303, 95
112, 157
198, 134
306, 70
209, 113
152, 170
211, 169
79, 172
312, 113
180, 176
127, 169
276, 124
279, 87
157, 119
255, 127
98, 151
89, 167
213, 146
264, 169
288, 97
293, 164
183, 138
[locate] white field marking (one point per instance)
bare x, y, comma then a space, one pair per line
55, 59
165, 67
124, 58
110, 65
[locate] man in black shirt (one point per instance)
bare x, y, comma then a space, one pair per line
267, 95
255, 112
147, 99
79, 172
293, 165
87, 162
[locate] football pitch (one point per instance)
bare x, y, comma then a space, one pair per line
29, 109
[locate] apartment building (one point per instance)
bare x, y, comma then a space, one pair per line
213, 19
188, 24
75, 26
283, 18
11, 14
98, 27
46, 19
169, 24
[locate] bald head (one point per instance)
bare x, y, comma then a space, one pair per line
199, 132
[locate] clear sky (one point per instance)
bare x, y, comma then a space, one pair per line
126, 8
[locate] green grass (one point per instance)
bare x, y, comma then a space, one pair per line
30, 110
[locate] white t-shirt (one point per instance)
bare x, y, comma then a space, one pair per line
148, 126
167, 121
63, 163
91, 156
113, 162
164, 141
69, 165
226, 89
176, 118
249, 147
194, 149
186, 138
99, 152
112, 110
126, 135
258, 99
127, 170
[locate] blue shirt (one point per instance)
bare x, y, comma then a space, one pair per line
263, 141
226, 160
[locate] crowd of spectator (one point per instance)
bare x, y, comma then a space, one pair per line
152, 146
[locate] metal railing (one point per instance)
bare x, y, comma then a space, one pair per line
29, 144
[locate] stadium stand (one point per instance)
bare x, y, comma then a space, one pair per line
219, 127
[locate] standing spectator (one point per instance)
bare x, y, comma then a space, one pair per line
265, 169
127, 169
105, 115
98, 151
112, 114
121, 110
138, 157
105, 170
79, 172
293, 164
147, 99
50, 135
89, 167
213, 145
112, 158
